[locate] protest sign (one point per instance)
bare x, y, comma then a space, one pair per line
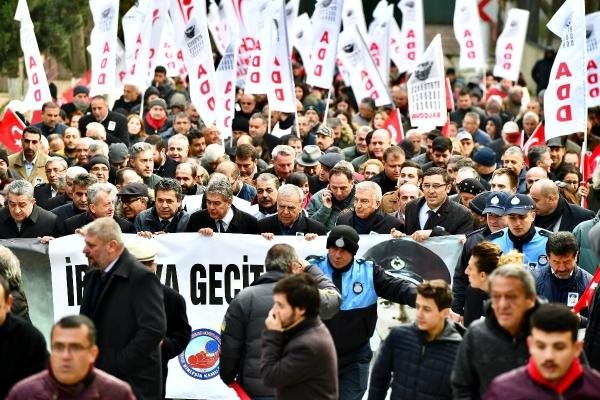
209, 271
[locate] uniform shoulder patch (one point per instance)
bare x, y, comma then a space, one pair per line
475, 232
313, 259
544, 232
496, 235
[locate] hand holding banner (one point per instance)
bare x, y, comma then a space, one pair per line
565, 97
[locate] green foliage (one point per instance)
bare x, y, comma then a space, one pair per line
54, 22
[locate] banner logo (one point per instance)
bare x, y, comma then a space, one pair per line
200, 360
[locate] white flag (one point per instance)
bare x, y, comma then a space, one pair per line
38, 92
170, 55
218, 26
191, 35
427, 90
364, 78
467, 30
155, 27
136, 31
510, 45
326, 22
121, 67
353, 14
379, 38
225, 75
565, 109
407, 45
255, 15
593, 65
280, 90
291, 13
103, 45
299, 38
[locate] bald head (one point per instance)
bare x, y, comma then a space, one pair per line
534, 174
545, 195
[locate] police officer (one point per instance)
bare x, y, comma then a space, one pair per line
521, 234
360, 282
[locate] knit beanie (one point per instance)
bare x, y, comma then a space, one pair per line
344, 237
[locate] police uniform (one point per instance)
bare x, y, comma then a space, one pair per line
532, 244
360, 284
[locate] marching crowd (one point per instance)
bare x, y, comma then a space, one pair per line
149, 165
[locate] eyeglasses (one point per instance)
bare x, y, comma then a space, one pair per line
72, 348
434, 186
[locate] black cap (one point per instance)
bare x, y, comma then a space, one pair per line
134, 189
519, 204
344, 237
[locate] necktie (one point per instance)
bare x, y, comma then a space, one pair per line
164, 224
430, 215
221, 226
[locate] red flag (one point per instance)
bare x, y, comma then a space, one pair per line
393, 123
11, 130
537, 138
446, 128
589, 163
85, 80
241, 393
586, 297
449, 96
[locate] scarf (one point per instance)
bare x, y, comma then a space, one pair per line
574, 372
519, 242
154, 123
548, 221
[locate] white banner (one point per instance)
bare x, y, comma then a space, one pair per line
280, 82
218, 26
191, 35
38, 92
291, 13
210, 271
427, 90
379, 39
300, 34
103, 45
121, 67
407, 45
137, 24
467, 30
326, 22
364, 78
353, 14
154, 28
225, 75
170, 55
256, 19
593, 65
510, 44
565, 109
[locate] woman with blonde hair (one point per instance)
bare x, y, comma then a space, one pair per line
135, 127
371, 168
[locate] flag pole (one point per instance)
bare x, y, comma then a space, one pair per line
327, 105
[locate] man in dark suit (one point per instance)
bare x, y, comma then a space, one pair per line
290, 218
23, 218
101, 201
179, 331
435, 214
115, 123
220, 215
125, 301
56, 171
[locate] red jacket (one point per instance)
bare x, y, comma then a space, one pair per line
98, 385
518, 385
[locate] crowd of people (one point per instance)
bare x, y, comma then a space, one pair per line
150, 165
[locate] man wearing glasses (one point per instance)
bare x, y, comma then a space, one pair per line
71, 370
434, 214
29, 164
56, 172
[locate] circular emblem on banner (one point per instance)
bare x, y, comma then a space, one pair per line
200, 359
357, 287
542, 260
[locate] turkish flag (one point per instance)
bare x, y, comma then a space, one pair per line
589, 163
586, 296
11, 130
393, 123
537, 138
